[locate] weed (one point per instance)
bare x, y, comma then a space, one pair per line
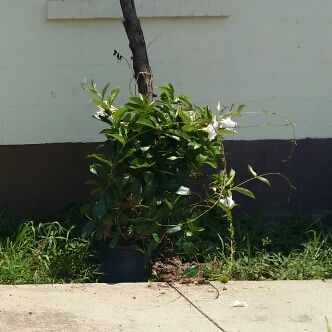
293, 249
329, 329
51, 252
46, 253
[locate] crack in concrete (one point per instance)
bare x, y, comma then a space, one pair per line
197, 308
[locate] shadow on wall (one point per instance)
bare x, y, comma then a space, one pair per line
309, 169
49, 176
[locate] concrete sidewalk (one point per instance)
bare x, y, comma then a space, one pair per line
279, 306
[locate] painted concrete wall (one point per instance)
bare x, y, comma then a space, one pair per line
274, 55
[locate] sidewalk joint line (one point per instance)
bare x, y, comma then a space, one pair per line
197, 308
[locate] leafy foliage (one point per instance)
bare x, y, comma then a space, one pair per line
151, 151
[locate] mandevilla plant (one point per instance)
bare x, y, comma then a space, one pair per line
152, 149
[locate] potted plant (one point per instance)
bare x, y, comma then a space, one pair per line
151, 150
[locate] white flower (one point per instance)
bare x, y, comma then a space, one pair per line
101, 112
227, 123
211, 130
228, 201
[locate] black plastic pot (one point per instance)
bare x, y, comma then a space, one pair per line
122, 264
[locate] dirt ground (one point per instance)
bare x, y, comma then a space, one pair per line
171, 270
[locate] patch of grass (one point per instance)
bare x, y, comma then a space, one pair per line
45, 253
52, 252
297, 249
312, 262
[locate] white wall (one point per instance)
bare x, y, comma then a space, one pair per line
274, 55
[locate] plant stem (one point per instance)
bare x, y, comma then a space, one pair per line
132, 25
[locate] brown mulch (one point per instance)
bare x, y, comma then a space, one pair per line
171, 270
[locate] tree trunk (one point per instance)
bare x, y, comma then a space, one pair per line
132, 25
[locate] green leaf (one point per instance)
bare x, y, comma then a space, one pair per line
168, 92
174, 229
137, 247
113, 242
187, 128
107, 220
171, 185
169, 204
199, 160
133, 105
156, 237
136, 189
95, 191
226, 131
88, 228
104, 90
239, 109
118, 137
183, 191
145, 148
187, 246
95, 92
107, 131
100, 231
230, 177
194, 145
140, 163
179, 133
94, 182
181, 177
214, 149
224, 279
145, 122
152, 246
112, 95
149, 192
244, 191
121, 180
220, 205
124, 154
190, 271
119, 112
252, 172
138, 101
85, 209
99, 170
184, 99
110, 201
212, 162
99, 103
185, 116
170, 87
266, 181
148, 176
99, 208
100, 157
